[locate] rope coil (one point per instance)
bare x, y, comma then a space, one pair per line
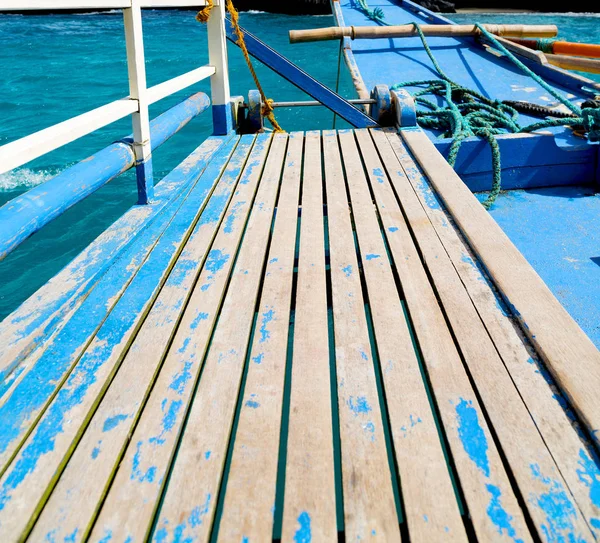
267, 107
468, 113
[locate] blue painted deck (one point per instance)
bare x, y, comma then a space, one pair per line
163, 375
546, 225
558, 231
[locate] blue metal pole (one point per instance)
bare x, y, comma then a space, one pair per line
26, 214
287, 69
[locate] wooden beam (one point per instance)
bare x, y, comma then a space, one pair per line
408, 31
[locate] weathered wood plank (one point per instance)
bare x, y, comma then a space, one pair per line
530, 461
71, 506
430, 503
248, 509
492, 505
562, 439
189, 504
369, 508
30, 477
37, 378
309, 500
570, 355
129, 506
33, 323
21, 408
23, 404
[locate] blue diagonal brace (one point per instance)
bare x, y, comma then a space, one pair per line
295, 75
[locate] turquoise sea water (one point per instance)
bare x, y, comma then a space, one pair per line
54, 67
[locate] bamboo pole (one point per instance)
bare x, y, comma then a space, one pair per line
403, 31
589, 65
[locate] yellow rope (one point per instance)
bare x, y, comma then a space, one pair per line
267, 109
204, 15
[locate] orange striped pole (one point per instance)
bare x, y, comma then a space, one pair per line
576, 49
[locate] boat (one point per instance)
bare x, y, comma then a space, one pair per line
317, 335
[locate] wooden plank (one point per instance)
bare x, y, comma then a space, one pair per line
570, 355
71, 506
309, 500
37, 383
32, 324
562, 439
248, 510
530, 461
129, 506
369, 508
30, 477
189, 504
430, 503
484, 482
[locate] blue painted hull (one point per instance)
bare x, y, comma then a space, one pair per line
550, 208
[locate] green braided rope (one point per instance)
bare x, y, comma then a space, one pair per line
545, 45
468, 113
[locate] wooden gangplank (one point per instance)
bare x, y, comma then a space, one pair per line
319, 335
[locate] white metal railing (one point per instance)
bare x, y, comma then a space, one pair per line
19, 152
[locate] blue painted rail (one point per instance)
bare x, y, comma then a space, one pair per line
27, 213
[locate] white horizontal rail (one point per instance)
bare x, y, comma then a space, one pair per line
23, 5
160, 91
21, 151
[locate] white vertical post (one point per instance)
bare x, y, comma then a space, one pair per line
137, 91
217, 53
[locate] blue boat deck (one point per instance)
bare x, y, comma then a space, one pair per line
303, 335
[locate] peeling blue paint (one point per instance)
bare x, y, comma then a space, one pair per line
136, 472
303, 533
112, 422
200, 317
107, 537
372, 256
425, 518
216, 260
252, 403
558, 508
168, 421
393, 229
267, 317
589, 474
347, 270
273, 260
364, 355
72, 537
498, 515
472, 435
358, 405
95, 453
181, 378
207, 455
186, 342
428, 195
231, 217
258, 358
